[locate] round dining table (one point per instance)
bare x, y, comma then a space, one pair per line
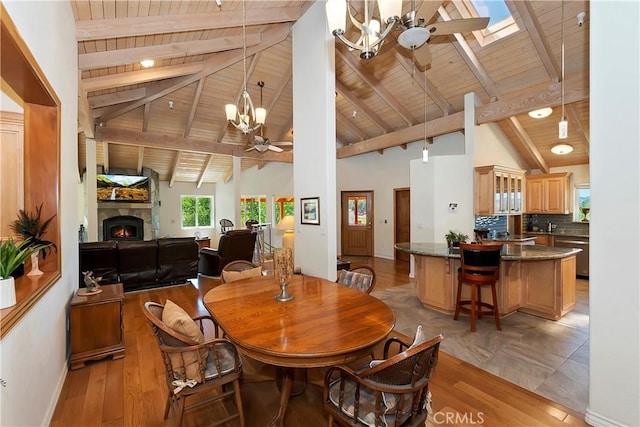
325, 324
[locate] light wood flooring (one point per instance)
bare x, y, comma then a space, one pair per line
132, 391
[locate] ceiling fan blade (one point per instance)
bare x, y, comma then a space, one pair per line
422, 55
253, 147
428, 9
274, 148
282, 143
458, 26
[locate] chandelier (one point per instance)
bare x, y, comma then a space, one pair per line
371, 33
244, 116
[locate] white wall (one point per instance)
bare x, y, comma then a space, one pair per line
34, 352
170, 207
614, 280
8, 104
494, 148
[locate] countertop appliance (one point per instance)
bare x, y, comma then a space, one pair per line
582, 258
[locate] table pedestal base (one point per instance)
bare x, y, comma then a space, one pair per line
291, 382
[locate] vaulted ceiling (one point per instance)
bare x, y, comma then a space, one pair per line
171, 118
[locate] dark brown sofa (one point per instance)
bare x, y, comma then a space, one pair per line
234, 245
141, 264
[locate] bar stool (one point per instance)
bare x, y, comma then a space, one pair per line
479, 266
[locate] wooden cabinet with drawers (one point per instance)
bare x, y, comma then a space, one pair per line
548, 193
498, 190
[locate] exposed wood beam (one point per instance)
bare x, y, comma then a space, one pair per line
140, 160
351, 126
194, 107
138, 26
261, 164
547, 96
528, 144
284, 130
203, 171
145, 116
227, 176
174, 168
425, 84
85, 117
440, 126
366, 110
113, 58
105, 156
218, 62
250, 70
376, 86
93, 84
575, 119
117, 98
531, 23
472, 60
282, 85
140, 139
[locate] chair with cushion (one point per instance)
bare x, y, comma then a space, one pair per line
237, 270
362, 278
225, 225
193, 365
479, 267
233, 245
389, 392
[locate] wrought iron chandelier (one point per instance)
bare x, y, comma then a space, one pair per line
244, 116
371, 33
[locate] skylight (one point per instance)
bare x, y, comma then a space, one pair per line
501, 23
496, 10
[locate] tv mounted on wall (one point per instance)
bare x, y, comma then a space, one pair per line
123, 188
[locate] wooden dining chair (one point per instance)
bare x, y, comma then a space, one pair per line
194, 366
362, 278
240, 269
393, 391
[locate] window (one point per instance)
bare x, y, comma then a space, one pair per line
501, 23
253, 208
282, 206
197, 211
582, 203
357, 210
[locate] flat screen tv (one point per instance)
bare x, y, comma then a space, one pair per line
123, 188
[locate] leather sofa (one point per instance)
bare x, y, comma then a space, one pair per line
234, 245
141, 264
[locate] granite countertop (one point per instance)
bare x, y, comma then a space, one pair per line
555, 233
511, 238
510, 252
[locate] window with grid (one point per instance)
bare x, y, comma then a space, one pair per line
196, 211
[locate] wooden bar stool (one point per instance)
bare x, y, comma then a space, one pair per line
479, 266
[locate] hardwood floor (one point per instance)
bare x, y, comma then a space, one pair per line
132, 391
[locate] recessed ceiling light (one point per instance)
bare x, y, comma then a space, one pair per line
146, 63
562, 149
541, 113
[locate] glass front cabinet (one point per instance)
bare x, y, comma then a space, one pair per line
498, 190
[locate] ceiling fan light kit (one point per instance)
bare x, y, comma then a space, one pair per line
561, 149
371, 33
146, 63
541, 113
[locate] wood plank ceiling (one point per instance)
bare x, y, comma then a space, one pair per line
170, 117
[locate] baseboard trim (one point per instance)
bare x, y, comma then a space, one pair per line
48, 416
595, 419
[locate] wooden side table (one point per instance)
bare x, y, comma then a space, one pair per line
96, 326
203, 242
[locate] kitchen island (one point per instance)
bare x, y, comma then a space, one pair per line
538, 280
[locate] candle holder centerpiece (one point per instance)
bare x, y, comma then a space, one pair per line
282, 272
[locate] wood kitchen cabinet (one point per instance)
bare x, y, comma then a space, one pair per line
548, 193
96, 326
498, 190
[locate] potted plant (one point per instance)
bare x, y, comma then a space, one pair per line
32, 228
454, 238
12, 255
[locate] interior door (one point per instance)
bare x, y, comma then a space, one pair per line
357, 223
402, 225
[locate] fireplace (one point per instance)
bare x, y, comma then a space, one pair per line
123, 227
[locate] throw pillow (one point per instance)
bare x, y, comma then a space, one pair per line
359, 281
231, 276
185, 365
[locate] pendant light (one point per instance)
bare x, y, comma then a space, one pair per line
425, 149
245, 117
563, 126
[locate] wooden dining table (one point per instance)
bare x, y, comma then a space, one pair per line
325, 324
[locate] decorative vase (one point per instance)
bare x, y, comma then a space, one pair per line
35, 271
282, 272
7, 292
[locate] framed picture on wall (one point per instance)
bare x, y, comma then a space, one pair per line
310, 210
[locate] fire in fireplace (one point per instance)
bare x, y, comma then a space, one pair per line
123, 227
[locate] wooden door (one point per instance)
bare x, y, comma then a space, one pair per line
402, 220
357, 223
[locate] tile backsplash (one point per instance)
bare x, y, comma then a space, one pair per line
564, 223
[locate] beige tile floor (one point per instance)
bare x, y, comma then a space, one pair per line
547, 357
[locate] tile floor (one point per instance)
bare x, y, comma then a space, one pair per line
550, 358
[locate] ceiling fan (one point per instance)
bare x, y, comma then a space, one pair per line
416, 31
262, 144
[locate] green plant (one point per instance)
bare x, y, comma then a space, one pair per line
455, 236
31, 228
13, 254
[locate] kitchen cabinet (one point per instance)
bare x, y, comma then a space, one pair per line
548, 193
542, 239
498, 190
